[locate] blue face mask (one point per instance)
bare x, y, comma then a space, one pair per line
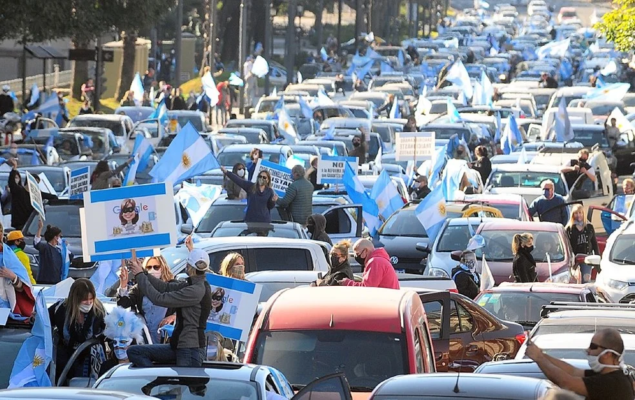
121, 354
546, 192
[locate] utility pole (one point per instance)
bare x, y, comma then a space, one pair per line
99, 62
357, 22
268, 42
290, 39
242, 35
339, 25
212, 32
177, 44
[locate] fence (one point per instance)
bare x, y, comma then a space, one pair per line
55, 79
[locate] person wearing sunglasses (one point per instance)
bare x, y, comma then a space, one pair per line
131, 296
607, 378
261, 198
233, 190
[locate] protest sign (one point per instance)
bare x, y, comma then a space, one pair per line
280, 176
128, 218
331, 168
234, 304
36, 195
416, 146
79, 182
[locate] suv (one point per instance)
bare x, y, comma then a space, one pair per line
121, 125
281, 229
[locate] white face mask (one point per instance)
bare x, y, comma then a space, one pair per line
156, 274
241, 173
13, 151
85, 308
597, 366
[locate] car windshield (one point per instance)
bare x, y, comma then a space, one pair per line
304, 355
98, 144
183, 387
624, 326
623, 250
242, 230
252, 137
115, 126
55, 176
264, 127
228, 212
521, 306
438, 108
384, 132
509, 211
446, 133
605, 109
454, 237
195, 119
403, 223
590, 138
66, 145
629, 355
230, 158
511, 179
498, 245
65, 217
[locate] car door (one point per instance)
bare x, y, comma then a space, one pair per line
437, 306
343, 222
216, 257
466, 349
329, 387
279, 259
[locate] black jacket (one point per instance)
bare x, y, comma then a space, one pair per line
360, 152
313, 179
337, 274
465, 282
524, 266
421, 192
583, 241
319, 228
134, 300
484, 167
6, 104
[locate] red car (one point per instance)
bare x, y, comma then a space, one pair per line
513, 206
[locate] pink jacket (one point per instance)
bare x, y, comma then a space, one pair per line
378, 272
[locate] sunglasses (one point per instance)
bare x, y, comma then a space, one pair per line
594, 346
128, 210
156, 267
263, 177
217, 298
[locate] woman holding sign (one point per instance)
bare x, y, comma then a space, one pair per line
260, 196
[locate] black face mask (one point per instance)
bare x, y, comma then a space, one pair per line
310, 228
21, 245
361, 260
356, 144
335, 261
530, 248
459, 152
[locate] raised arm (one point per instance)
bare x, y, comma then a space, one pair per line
244, 184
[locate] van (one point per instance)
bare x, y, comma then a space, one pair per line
577, 115
370, 334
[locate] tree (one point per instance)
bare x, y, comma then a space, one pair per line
32, 21
619, 25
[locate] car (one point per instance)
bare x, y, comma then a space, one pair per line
141, 177
281, 229
549, 238
336, 147
464, 334
214, 379
525, 180
350, 329
253, 135
58, 176
512, 206
525, 367
259, 253
100, 141
44, 393
121, 125
346, 136
196, 118
523, 302
567, 13
616, 275
379, 99
270, 127
68, 143
136, 113
463, 386
219, 140
591, 135
239, 153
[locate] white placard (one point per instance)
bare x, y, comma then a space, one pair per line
417, 146
35, 194
79, 182
280, 176
331, 168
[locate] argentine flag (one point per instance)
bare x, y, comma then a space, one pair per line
458, 75
358, 195
431, 212
105, 275
386, 195
144, 149
188, 155
136, 87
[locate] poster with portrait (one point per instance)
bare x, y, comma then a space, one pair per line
118, 220
234, 304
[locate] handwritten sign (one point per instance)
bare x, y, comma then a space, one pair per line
331, 168
417, 146
280, 176
36, 195
79, 182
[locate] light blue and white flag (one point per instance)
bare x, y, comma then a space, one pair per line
511, 137
285, 124
160, 113
395, 111
458, 75
188, 155
197, 199
66, 259
609, 68
432, 213
522, 157
440, 157
554, 49
209, 89
453, 113
306, 110
136, 87
323, 54
323, 99
235, 80
609, 92
35, 95
358, 195
144, 149
131, 174
34, 357
562, 123
260, 67
105, 275
386, 195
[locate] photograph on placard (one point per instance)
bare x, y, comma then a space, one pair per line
131, 217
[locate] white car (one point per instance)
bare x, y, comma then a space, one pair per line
616, 281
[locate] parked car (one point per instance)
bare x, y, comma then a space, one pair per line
120, 125
280, 229
525, 367
56, 393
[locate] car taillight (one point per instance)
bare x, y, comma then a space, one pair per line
521, 337
405, 201
453, 291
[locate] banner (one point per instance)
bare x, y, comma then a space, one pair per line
280, 176
127, 218
331, 168
416, 146
234, 304
36, 195
79, 183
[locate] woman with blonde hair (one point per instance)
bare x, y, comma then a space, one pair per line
339, 268
78, 318
261, 198
523, 265
582, 238
132, 297
233, 266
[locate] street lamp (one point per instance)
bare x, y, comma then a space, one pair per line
300, 10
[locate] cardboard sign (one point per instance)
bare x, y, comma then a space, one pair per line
234, 304
79, 182
36, 195
128, 218
416, 146
331, 168
280, 176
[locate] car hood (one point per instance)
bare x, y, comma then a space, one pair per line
624, 273
529, 194
502, 270
443, 261
404, 248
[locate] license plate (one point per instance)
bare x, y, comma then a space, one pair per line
400, 271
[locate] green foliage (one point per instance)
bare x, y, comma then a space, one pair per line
619, 25
34, 20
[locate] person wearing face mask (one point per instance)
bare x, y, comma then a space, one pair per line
13, 151
582, 238
122, 328
233, 266
628, 186
235, 192
21, 208
421, 189
464, 275
360, 148
483, 164
411, 124
378, 271
192, 299
461, 153
549, 206
261, 198
523, 264
298, 197
50, 251
316, 225
131, 296
254, 156
78, 318
576, 168
607, 378
339, 267
15, 240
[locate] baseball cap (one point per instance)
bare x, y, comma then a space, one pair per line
6, 88
15, 235
198, 259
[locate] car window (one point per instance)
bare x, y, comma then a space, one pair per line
507, 179
65, 217
115, 126
460, 319
520, 306
622, 251
454, 238
282, 259
498, 245
403, 223
434, 312
337, 221
216, 259
418, 352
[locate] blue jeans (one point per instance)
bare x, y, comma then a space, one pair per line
144, 355
585, 272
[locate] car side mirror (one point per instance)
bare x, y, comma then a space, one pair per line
423, 247
187, 228
593, 260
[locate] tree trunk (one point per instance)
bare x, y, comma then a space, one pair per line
79, 71
319, 26
228, 24
258, 22
127, 64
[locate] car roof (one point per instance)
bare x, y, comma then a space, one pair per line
249, 121
219, 370
523, 366
527, 167
591, 315
509, 198
281, 276
369, 309
260, 225
439, 385
539, 287
512, 224
469, 221
267, 148
68, 393
107, 117
575, 340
